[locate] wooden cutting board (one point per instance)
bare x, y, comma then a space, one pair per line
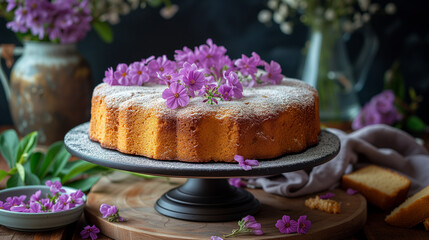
135, 197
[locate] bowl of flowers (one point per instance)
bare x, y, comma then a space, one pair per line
40, 208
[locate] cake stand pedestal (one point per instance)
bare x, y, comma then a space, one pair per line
206, 196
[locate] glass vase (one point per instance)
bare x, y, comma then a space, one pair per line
328, 69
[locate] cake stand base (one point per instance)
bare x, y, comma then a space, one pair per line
207, 200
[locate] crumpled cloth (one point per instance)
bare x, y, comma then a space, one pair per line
381, 145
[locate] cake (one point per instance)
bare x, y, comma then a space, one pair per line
267, 122
411, 212
382, 187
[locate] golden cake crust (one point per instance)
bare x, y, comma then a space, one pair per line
267, 122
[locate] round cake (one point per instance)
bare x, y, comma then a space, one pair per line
267, 122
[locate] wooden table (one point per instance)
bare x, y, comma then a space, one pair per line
375, 227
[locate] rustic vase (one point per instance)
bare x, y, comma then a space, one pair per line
50, 90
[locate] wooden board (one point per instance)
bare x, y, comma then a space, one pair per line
136, 197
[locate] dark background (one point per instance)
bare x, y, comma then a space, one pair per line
233, 24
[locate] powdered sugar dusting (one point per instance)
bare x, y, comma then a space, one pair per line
261, 100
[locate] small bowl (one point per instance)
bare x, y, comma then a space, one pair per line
30, 222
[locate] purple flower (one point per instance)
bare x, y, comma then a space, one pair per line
193, 79
57, 207
90, 232
235, 84
16, 201
161, 65
303, 225
138, 74
19, 208
35, 207
76, 198
224, 90
122, 74
109, 78
111, 213
4, 205
36, 196
287, 225
185, 55
248, 66
351, 191
273, 73
176, 96
245, 164
169, 78
209, 55
251, 223
236, 182
46, 204
11, 4
327, 195
215, 238
107, 210
55, 187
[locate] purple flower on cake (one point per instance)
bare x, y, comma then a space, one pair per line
234, 82
248, 66
273, 73
176, 96
303, 225
210, 54
109, 78
90, 232
245, 164
138, 74
287, 225
327, 195
122, 74
161, 65
192, 78
236, 182
225, 92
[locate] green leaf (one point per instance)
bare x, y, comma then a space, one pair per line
49, 159
31, 179
35, 162
415, 124
61, 161
103, 30
155, 3
14, 181
78, 168
98, 170
84, 184
3, 174
8, 145
21, 171
26, 146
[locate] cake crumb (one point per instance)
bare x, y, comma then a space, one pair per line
426, 223
326, 205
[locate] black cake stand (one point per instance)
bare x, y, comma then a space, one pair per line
206, 196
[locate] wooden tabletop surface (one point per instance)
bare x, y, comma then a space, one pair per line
375, 228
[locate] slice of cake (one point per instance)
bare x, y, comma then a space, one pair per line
411, 212
381, 187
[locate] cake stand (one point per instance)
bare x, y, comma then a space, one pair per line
206, 196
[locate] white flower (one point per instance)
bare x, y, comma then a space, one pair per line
283, 10
329, 14
272, 4
390, 8
169, 12
373, 8
364, 4
278, 18
293, 3
264, 16
286, 27
366, 17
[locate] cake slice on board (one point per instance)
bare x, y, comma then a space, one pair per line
411, 212
381, 186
